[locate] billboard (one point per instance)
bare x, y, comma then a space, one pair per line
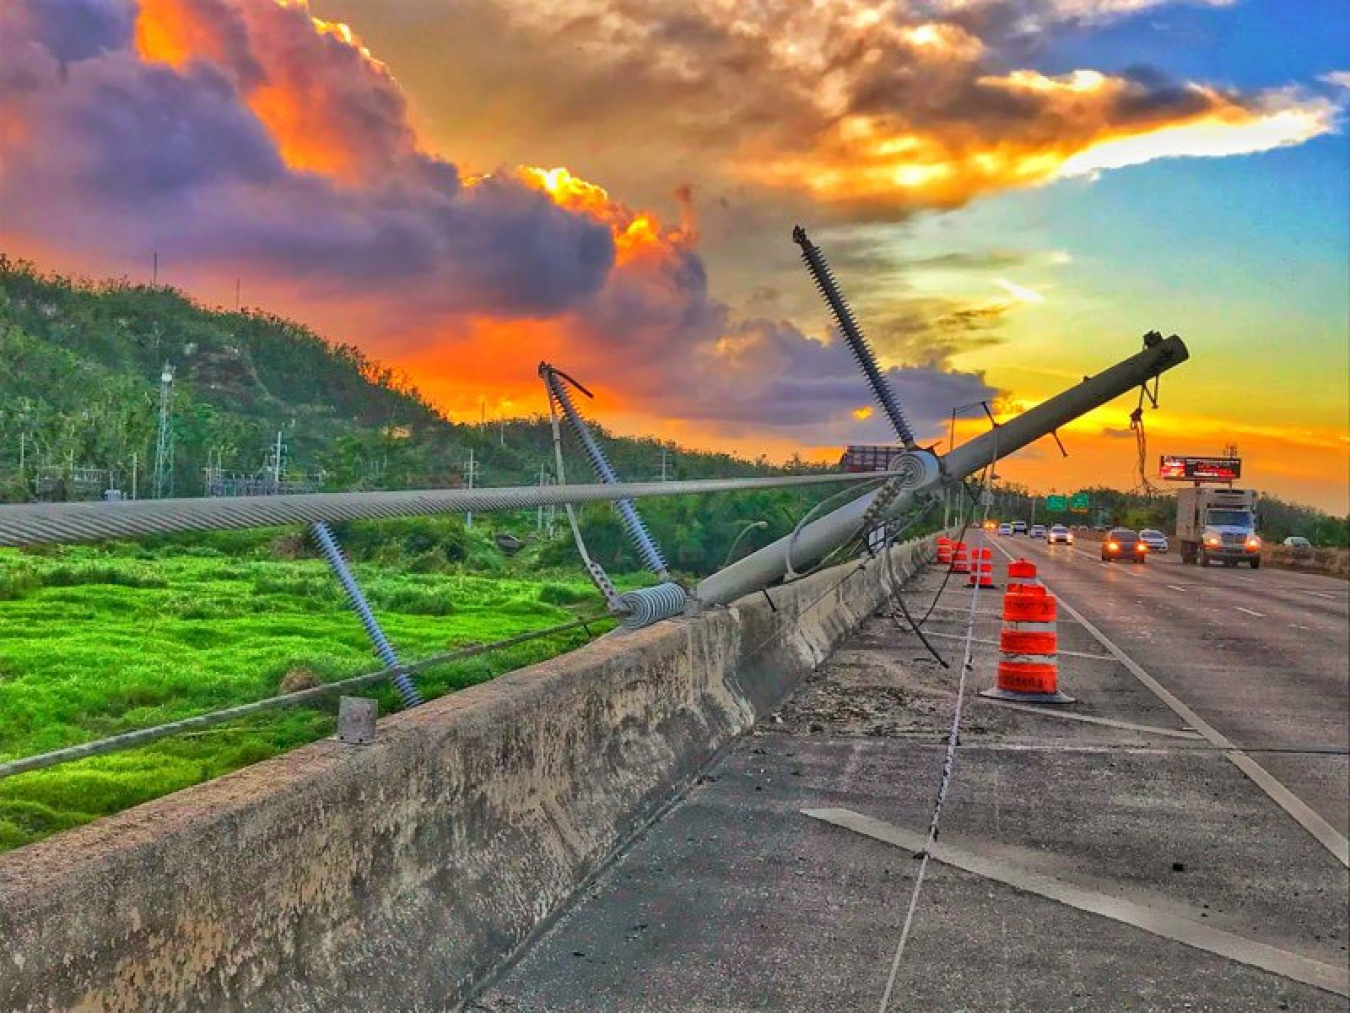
1200, 469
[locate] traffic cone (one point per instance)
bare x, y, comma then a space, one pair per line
981, 568
944, 550
960, 558
1028, 665
1021, 573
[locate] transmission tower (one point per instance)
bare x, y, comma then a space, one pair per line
163, 477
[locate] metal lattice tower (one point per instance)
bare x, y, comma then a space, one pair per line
862, 350
642, 540
163, 477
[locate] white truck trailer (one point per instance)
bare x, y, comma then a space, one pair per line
1218, 524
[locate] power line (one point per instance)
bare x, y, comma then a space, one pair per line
53, 523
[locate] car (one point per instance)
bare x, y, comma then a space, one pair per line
1005, 528
1154, 539
1059, 535
1122, 543
1019, 527
1298, 546
990, 525
1038, 531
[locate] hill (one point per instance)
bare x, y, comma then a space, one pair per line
80, 366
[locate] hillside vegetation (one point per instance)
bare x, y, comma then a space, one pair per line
80, 364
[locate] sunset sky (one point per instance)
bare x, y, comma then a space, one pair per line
1011, 193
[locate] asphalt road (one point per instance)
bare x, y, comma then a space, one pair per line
1260, 654
738, 900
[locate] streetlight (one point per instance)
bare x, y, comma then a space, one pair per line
741, 534
951, 445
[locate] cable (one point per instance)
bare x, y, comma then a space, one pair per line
140, 736
51, 523
899, 598
950, 567
948, 767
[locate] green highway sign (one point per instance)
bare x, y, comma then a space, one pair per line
1055, 504
1079, 502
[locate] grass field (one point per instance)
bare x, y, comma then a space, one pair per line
95, 641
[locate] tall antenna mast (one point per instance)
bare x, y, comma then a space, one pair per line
857, 342
163, 479
632, 523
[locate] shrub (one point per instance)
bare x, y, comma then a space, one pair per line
556, 593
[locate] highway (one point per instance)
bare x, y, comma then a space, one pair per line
1259, 654
1098, 856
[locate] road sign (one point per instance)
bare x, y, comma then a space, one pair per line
1078, 502
1056, 504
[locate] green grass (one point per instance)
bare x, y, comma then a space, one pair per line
95, 641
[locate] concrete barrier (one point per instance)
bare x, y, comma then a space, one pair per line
398, 875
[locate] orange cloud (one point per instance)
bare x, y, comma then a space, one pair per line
1072, 125
635, 232
313, 84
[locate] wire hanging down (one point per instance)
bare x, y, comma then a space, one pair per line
555, 380
862, 349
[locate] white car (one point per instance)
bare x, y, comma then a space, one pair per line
1058, 534
1005, 529
1037, 531
1154, 539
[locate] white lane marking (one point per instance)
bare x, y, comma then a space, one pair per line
1322, 594
1327, 835
1178, 587
1130, 726
1188, 931
1259, 615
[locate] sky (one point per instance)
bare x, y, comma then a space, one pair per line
1010, 192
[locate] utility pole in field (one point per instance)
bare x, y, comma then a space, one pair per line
163, 481
473, 468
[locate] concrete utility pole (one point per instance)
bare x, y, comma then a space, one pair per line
276, 464
921, 473
473, 467
163, 481
539, 510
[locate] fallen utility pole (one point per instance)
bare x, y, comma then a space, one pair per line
923, 473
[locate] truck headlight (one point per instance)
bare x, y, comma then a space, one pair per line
1212, 540
1253, 543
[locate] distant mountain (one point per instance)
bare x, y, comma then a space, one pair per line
80, 366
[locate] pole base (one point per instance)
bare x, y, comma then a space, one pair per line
994, 693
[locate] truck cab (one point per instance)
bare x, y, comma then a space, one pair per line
1218, 525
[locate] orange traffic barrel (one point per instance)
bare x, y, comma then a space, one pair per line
944, 550
960, 558
1021, 572
981, 568
1028, 647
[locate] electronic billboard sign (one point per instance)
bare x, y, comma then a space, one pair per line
1200, 469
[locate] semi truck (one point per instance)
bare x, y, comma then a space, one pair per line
1218, 525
